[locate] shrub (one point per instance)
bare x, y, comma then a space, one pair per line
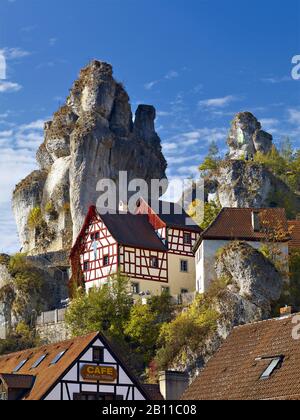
35, 218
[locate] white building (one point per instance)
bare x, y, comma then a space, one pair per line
254, 226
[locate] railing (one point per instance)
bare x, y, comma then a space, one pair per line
51, 317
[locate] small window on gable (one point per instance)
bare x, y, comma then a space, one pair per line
20, 365
154, 263
98, 354
275, 364
187, 238
106, 260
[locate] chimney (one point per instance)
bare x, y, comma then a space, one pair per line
256, 221
173, 384
286, 311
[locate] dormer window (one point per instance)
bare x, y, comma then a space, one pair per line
256, 226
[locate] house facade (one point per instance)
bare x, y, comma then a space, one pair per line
84, 369
153, 248
254, 226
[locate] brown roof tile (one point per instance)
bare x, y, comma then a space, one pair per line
46, 375
234, 372
236, 223
294, 227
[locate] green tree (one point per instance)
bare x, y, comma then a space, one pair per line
205, 214
103, 309
212, 160
21, 338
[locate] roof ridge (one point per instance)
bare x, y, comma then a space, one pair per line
265, 321
35, 349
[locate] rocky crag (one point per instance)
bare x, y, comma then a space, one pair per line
239, 180
254, 285
92, 137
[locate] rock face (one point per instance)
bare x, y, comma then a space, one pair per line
246, 137
254, 285
92, 137
241, 182
247, 184
253, 277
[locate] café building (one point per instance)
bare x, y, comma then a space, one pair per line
84, 369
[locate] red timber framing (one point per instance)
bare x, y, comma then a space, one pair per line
100, 255
136, 263
178, 243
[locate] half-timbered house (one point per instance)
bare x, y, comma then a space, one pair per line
153, 248
86, 368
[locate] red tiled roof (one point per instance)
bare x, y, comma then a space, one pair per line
236, 224
46, 375
234, 373
294, 226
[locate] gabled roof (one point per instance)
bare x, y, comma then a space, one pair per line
133, 230
294, 227
172, 215
45, 374
234, 373
236, 224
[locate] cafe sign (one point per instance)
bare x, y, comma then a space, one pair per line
99, 373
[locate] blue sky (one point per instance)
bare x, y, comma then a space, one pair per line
198, 62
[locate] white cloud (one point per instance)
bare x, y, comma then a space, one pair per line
294, 116
275, 80
17, 159
171, 75
150, 85
9, 87
218, 102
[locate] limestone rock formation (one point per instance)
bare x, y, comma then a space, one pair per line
247, 184
254, 286
239, 181
246, 137
92, 137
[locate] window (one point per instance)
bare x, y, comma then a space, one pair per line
20, 365
58, 357
97, 236
38, 361
184, 266
184, 291
165, 290
187, 238
275, 364
106, 260
98, 354
86, 266
92, 236
135, 288
154, 262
